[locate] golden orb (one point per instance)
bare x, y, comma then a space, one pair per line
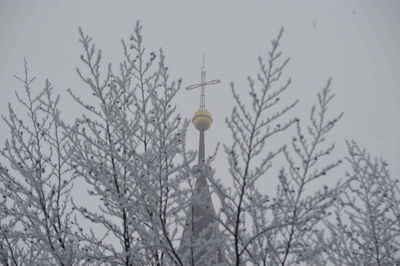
202, 120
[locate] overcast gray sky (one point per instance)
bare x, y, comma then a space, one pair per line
357, 43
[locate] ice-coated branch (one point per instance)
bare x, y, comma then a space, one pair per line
248, 160
36, 183
130, 151
366, 228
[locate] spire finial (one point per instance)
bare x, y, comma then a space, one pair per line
202, 85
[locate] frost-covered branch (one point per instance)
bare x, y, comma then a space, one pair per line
36, 182
247, 158
366, 230
131, 152
304, 211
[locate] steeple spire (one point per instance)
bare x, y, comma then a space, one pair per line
201, 242
203, 92
202, 119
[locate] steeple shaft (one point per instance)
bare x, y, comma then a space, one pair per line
201, 148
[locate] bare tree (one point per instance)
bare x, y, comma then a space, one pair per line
366, 230
306, 168
35, 217
130, 149
263, 229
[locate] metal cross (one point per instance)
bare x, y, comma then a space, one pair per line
202, 85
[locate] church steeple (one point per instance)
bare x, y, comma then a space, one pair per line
201, 242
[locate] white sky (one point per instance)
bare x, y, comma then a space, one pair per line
357, 43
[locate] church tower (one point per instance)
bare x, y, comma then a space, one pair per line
201, 242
